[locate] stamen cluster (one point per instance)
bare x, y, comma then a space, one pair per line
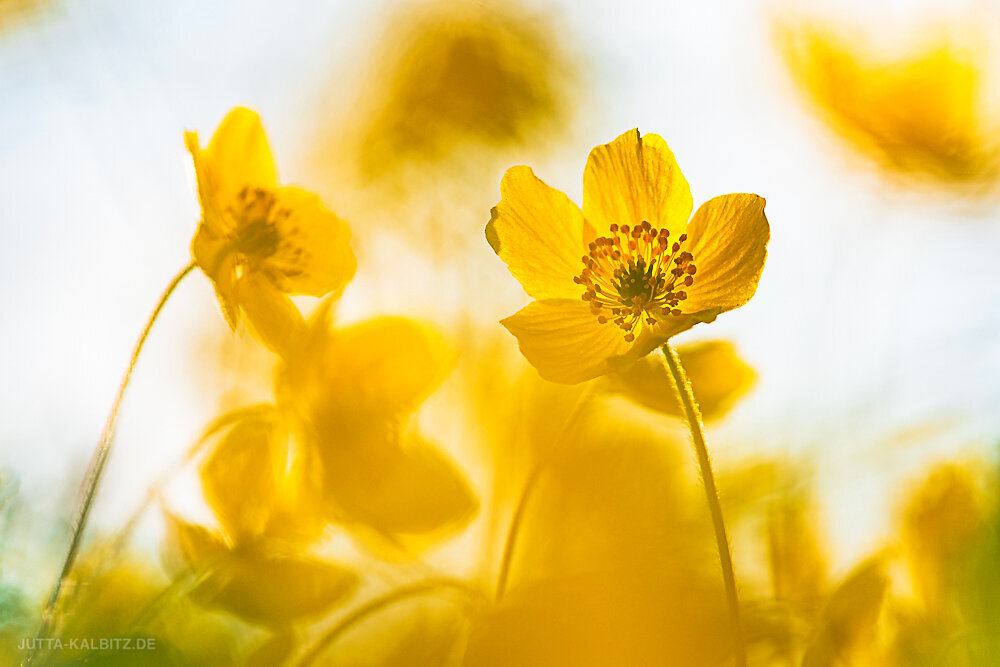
636, 275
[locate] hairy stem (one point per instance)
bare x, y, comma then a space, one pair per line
693, 418
98, 462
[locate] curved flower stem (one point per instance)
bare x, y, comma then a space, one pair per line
529, 488
693, 418
98, 461
374, 606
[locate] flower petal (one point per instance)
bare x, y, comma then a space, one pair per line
239, 155
254, 583
564, 341
256, 483
275, 589
210, 252
314, 255
378, 370
539, 233
728, 238
632, 179
398, 489
273, 318
718, 377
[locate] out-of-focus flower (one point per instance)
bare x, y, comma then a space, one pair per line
613, 564
15, 13
460, 75
848, 628
260, 242
126, 599
942, 524
603, 301
919, 110
351, 392
253, 566
718, 377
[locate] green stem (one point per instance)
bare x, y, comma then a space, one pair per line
693, 419
95, 469
529, 488
374, 606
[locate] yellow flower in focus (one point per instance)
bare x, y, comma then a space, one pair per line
351, 391
255, 565
620, 277
918, 110
260, 242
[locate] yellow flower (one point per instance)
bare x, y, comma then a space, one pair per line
629, 271
718, 377
260, 242
351, 392
259, 491
919, 110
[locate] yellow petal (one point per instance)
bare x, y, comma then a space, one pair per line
273, 318
848, 626
728, 239
194, 544
255, 583
314, 256
274, 589
564, 341
632, 179
241, 477
539, 233
210, 252
718, 377
398, 489
239, 156
381, 369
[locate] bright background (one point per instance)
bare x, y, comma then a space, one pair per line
875, 331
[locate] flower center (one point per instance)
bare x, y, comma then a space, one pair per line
636, 275
257, 235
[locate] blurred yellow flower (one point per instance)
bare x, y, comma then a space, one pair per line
919, 110
260, 242
942, 524
460, 75
718, 377
847, 632
351, 392
603, 301
253, 566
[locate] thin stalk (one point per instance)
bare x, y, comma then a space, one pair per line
372, 607
693, 418
529, 489
98, 462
